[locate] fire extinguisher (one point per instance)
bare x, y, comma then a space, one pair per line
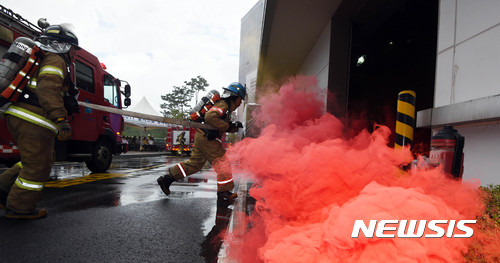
447, 150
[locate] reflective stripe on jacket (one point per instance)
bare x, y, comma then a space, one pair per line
31, 117
51, 70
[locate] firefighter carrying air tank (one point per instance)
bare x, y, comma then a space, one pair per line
35, 119
208, 145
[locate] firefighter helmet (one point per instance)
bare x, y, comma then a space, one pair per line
235, 89
59, 38
61, 33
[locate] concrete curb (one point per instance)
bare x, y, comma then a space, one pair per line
237, 225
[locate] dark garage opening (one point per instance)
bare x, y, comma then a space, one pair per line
393, 48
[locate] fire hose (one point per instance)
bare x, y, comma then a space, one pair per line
147, 116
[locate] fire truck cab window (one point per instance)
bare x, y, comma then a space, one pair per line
84, 77
110, 91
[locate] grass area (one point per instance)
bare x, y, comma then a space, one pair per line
492, 202
486, 245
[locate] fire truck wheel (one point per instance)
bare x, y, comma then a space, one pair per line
101, 157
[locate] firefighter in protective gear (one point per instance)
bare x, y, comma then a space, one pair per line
34, 121
208, 145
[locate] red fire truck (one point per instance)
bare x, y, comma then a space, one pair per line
180, 140
96, 135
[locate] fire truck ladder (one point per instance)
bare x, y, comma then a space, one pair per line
17, 23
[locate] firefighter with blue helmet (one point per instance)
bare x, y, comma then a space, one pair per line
235, 88
208, 145
35, 120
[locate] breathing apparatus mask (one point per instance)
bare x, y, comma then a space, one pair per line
53, 46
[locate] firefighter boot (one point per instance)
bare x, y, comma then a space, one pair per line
165, 182
39, 213
226, 196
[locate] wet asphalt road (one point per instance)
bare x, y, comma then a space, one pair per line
119, 216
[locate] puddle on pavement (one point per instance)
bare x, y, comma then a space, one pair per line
68, 170
136, 163
190, 187
215, 229
131, 188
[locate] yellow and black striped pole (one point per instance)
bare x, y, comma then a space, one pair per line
405, 119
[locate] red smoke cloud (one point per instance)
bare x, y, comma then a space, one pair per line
311, 184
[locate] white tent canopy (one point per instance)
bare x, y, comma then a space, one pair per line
144, 107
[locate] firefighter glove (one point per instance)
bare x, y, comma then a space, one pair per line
234, 126
64, 130
212, 134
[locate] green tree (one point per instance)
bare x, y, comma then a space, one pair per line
197, 84
177, 102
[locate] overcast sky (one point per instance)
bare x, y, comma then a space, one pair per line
153, 44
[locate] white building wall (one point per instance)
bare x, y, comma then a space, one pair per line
317, 61
482, 153
468, 68
468, 60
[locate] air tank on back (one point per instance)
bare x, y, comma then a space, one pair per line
204, 104
14, 60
